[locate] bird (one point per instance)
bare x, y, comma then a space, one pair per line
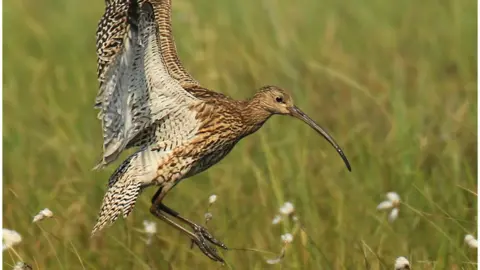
178, 128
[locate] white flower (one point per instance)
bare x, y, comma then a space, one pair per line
471, 241
385, 205
392, 202
212, 199
22, 266
393, 214
45, 213
287, 208
277, 259
150, 229
276, 219
401, 263
287, 238
393, 197
10, 238
208, 216
274, 261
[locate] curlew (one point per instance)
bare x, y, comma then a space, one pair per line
148, 101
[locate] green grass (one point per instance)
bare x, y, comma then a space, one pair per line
393, 82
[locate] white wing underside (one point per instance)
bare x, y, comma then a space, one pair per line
141, 97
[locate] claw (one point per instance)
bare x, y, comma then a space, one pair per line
199, 230
199, 236
208, 250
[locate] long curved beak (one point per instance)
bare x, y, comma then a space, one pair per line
297, 113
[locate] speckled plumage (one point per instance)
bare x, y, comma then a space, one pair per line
147, 100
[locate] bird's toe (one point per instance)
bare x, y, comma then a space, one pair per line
208, 250
199, 230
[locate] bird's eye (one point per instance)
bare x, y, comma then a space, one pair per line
279, 99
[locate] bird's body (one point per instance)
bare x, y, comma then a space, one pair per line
223, 122
147, 100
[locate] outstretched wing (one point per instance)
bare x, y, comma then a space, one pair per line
139, 92
163, 17
112, 33
116, 31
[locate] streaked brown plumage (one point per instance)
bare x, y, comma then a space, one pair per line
148, 100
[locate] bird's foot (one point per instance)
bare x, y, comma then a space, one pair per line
203, 232
207, 249
202, 236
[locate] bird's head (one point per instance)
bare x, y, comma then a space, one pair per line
274, 100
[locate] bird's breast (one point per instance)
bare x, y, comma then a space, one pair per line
211, 144
209, 157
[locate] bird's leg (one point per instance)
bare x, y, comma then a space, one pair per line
198, 239
198, 229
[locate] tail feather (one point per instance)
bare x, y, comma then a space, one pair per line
119, 200
125, 185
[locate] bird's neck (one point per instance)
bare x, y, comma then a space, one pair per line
254, 116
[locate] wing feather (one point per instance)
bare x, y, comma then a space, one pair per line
163, 14
111, 35
140, 93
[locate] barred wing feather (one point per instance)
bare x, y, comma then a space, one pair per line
139, 93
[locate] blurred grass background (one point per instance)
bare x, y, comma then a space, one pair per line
393, 82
